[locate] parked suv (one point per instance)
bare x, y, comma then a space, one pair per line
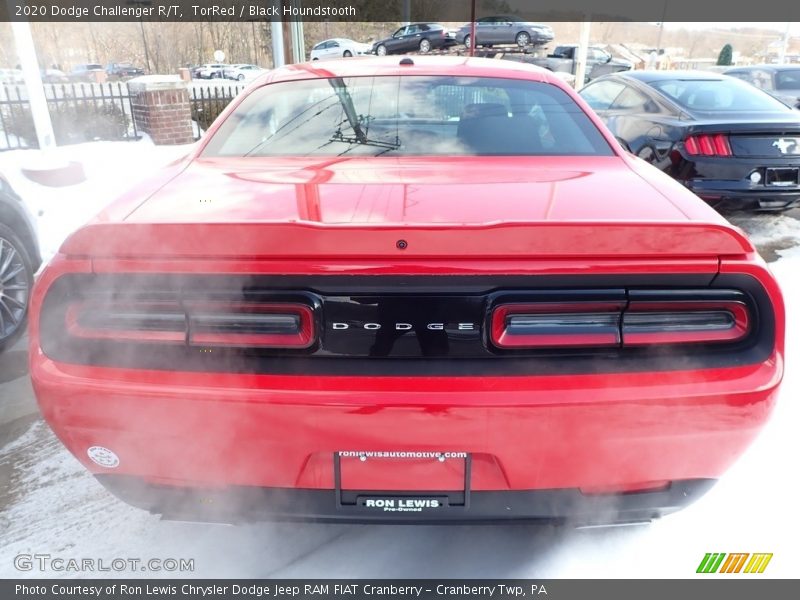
209, 71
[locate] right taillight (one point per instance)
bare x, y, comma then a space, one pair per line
646, 319
556, 325
708, 144
649, 323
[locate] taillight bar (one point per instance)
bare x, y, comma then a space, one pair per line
264, 326
556, 325
278, 325
684, 322
136, 322
705, 144
637, 323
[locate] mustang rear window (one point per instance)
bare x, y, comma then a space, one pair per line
407, 116
712, 95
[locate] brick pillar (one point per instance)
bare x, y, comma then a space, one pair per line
161, 108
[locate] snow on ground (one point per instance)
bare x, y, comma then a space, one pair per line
111, 168
767, 228
56, 507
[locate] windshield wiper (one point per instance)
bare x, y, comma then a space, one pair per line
339, 86
359, 136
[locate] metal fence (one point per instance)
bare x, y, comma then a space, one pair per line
208, 100
80, 112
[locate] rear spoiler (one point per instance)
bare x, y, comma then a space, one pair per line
495, 241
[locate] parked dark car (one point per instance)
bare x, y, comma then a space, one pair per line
19, 260
730, 143
125, 69
497, 30
780, 81
422, 37
87, 72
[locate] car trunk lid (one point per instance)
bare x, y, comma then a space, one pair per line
487, 207
758, 138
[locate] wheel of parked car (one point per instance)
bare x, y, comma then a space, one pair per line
240, 77
424, 46
467, 40
523, 39
16, 279
380, 50
347, 54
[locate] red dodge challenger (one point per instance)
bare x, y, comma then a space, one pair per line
409, 290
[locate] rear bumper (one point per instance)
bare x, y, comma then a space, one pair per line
244, 504
598, 433
738, 195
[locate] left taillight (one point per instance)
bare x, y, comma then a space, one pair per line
705, 144
233, 324
256, 325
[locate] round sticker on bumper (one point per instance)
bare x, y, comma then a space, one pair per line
103, 457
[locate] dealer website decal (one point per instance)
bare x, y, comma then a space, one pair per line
713, 562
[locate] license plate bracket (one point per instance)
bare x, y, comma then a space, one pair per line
782, 176
397, 501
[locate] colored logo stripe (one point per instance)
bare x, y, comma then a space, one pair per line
733, 564
758, 563
710, 563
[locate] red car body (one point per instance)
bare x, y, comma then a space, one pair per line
403, 387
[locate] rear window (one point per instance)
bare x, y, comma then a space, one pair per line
787, 80
713, 95
409, 115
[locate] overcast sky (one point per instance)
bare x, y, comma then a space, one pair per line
794, 28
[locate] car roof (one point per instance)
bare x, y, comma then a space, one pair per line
791, 67
653, 76
461, 66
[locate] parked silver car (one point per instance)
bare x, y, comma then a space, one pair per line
19, 260
780, 81
503, 29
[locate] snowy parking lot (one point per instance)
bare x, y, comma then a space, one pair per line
50, 505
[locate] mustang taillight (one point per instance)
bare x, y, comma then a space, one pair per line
278, 325
705, 144
637, 323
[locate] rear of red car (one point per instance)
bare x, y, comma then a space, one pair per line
419, 338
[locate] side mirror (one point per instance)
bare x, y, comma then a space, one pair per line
608, 58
